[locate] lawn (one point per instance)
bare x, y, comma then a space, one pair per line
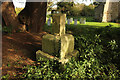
87, 25
97, 24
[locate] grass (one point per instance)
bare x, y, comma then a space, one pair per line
96, 24
87, 25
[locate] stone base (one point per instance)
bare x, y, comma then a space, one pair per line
58, 46
42, 54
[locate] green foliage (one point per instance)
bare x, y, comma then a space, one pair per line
82, 10
6, 77
76, 10
65, 7
97, 58
49, 5
118, 21
46, 70
87, 11
47, 28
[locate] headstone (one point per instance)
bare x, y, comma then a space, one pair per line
82, 20
49, 22
71, 20
75, 21
68, 21
67, 45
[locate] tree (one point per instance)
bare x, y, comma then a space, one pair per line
9, 16
33, 16
111, 11
65, 7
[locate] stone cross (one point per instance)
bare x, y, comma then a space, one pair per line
58, 43
58, 24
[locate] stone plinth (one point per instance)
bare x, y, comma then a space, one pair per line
50, 44
67, 45
46, 56
58, 24
58, 45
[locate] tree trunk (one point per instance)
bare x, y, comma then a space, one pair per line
9, 16
111, 11
106, 13
34, 16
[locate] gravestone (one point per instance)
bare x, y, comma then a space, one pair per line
49, 22
68, 21
82, 20
71, 20
75, 21
58, 43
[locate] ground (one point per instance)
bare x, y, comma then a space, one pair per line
19, 50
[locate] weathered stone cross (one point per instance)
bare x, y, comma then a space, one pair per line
58, 43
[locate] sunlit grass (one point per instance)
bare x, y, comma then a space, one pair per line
90, 24
93, 24
97, 24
